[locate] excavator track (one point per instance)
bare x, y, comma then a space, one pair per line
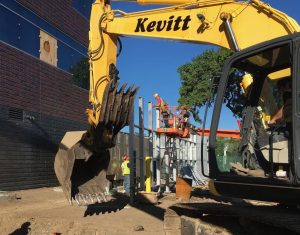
272, 215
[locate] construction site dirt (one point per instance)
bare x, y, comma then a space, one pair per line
46, 211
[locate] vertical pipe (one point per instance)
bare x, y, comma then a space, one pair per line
141, 144
180, 155
191, 152
157, 118
158, 141
195, 149
167, 163
174, 149
150, 140
132, 156
185, 153
148, 174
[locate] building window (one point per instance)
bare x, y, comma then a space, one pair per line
75, 63
80, 72
84, 7
49, 44
16, 31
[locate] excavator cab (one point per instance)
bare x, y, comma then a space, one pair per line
263, 164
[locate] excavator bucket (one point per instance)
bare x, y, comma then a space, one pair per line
83, 157
81, 173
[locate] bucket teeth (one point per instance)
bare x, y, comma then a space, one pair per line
89, 199
103, 197
77, 199
98, 198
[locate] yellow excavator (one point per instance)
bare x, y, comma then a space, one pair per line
254, 31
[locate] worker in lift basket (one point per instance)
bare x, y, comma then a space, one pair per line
163, 108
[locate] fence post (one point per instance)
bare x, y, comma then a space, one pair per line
151, 139
132, 156
141, 144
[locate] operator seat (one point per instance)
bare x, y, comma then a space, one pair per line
280, 145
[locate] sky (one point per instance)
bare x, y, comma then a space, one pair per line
152, 63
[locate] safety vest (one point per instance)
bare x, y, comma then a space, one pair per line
125, 168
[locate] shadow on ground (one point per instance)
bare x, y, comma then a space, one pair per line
119, 202
23, 230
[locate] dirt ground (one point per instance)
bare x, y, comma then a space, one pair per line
46, 211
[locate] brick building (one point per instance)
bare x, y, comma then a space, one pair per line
43, 45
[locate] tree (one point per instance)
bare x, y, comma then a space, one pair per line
196, 78
81, 74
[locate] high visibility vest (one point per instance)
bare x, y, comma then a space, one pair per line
125, 168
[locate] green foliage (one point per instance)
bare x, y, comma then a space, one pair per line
81, 73
229, 143
196, 78
232, 155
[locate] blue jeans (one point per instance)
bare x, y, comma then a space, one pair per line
127, 183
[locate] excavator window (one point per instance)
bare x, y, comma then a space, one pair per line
268, 61
264, 149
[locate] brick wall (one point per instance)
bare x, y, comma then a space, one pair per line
62, 15
30, 84
28, 146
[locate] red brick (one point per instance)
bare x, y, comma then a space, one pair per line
36, 86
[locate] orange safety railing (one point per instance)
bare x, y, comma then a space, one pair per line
234, 134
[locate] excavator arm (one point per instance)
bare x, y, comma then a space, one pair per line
83, 157
227, 23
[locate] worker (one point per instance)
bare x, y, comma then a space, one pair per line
184, 116
126, 173
163, 108
285, 112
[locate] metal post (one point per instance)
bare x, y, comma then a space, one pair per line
174, 165
186, 149
190, 153
167, 163
132, 156
157, 118
157, 144
148, 174
180, 154
151, 139
158, 140
141, 144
